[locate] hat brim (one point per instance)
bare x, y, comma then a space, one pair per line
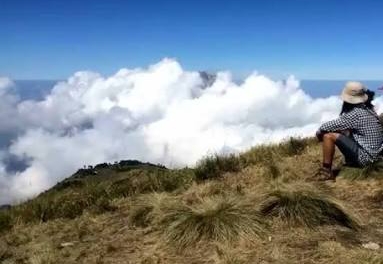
360, 99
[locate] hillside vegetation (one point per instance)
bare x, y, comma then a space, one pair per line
261, 206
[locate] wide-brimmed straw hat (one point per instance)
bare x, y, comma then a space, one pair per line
354, 93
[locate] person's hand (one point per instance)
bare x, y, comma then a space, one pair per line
319, 135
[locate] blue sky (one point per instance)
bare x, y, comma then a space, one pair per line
315, 39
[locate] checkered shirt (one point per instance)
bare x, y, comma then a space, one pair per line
366, 130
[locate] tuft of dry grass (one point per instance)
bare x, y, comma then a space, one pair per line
214, 166
266, 157
47, 256
371, 171
215, 218
148, 209
196, 192
4, 251
226, 255
271, 171
301, 204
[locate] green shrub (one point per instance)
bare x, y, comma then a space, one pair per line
214, 166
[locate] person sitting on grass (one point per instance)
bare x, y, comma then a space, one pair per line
357, 132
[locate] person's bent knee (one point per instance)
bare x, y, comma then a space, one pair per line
331, 136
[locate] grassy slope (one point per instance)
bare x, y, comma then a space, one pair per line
120, 218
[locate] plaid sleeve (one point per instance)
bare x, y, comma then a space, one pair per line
344, 122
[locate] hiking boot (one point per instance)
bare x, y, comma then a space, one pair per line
324, 174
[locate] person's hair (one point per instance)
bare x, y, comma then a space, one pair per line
370, 98
347, 107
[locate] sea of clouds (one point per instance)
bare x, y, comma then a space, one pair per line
160, 114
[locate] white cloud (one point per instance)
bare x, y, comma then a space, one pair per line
161, 114
8, 116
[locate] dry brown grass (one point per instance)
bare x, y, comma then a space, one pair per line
374, 170
335, 252
215, 221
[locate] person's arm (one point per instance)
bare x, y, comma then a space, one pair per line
348, 121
